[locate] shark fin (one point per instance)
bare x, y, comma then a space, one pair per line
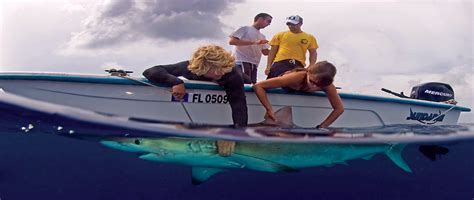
368, 157
395, 154
261, 164
284, 118
201, 174
150, 157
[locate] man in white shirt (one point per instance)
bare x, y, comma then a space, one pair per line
250, 44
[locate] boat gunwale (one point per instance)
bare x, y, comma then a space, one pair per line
107, 79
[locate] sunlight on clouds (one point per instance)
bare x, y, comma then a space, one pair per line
119, 22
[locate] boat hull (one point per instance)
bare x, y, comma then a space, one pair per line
207, 103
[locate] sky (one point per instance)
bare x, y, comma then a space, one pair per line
373, 44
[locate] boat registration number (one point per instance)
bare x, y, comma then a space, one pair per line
203, 98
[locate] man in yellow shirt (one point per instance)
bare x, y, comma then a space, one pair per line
288, 49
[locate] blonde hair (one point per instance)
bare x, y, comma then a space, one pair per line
211, 56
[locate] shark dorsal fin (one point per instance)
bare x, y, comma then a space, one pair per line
284, 118
395, 154
201, 174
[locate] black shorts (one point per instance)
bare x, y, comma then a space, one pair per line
280, 67
249, 72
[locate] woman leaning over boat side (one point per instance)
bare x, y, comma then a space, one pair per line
317, 77
209, 63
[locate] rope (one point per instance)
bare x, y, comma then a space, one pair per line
126, 76
442, 114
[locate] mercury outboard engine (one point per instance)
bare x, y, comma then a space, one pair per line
432, 91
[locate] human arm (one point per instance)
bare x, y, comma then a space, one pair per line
265, 49
281, 81
168, 75
238, 42
234, 89
336, 103
313, 56
271, 57
235, 38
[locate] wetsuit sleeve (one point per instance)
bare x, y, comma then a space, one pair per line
167, 74
234, 89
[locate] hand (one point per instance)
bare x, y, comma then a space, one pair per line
267, 70
321, 126
260, 42
225, 148
178, 91
451, 101
270, 115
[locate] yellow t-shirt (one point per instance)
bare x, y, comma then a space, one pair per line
293, 45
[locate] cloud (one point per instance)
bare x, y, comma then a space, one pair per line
70, 8
123, 21
377, 38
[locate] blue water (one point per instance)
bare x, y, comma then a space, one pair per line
46, 166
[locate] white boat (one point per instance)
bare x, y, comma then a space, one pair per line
206, 102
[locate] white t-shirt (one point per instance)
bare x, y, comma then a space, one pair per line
249, 53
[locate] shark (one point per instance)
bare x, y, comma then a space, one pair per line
201, 154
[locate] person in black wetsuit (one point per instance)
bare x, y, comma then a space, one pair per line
209, 63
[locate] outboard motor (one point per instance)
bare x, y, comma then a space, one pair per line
433, 91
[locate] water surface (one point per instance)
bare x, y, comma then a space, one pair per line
37, 165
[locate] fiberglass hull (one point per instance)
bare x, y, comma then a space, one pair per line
207, 103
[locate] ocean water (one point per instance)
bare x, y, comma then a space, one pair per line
36, 165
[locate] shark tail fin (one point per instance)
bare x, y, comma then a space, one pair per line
395, 154
201, 174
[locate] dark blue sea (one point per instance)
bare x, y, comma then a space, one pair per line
37, 165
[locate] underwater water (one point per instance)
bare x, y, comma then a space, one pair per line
37, 165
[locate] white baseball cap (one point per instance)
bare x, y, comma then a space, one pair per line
294, 19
